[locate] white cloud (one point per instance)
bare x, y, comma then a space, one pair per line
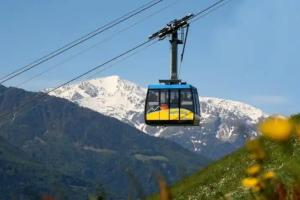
269, 99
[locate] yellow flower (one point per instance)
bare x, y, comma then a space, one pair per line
250, 182
256, 150
269, 175
276, 128
256, 188
258, 155
254, 169
253, 145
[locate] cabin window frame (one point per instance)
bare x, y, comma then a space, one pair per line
147, 103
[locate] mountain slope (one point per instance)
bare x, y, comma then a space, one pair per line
223, 178
23, 178
85, 144
225, 124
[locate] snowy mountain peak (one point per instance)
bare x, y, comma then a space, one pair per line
110, 96
222, 106
223, 123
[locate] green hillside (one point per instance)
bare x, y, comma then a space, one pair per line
23, 178
222, 179
83, 144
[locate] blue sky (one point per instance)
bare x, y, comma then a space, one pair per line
244, 51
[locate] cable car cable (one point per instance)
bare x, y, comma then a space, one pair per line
78, 41
199, 15
209, 9
125, 58
82, 37
95, 45
39, 96
183, 49
184, 43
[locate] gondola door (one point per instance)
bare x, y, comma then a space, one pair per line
187, 106
164, 105
174, 104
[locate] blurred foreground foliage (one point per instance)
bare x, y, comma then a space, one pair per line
268, 167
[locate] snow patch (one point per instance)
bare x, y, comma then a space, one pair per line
222, 121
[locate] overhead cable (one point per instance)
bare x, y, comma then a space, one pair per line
94, 45
78, 41
41, 95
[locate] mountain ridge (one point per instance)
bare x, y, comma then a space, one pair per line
80, 142
221, 120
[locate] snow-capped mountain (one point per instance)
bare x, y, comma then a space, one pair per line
225, 124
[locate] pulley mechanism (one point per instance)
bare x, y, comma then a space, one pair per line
171, 30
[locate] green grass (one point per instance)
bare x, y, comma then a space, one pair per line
223, 178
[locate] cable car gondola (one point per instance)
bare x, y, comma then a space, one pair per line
176, 104
172, 102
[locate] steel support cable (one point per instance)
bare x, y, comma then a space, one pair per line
125, 58
95, 45
82, 37
209, 9
183, 49
41, 95
79, 41
203, 13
